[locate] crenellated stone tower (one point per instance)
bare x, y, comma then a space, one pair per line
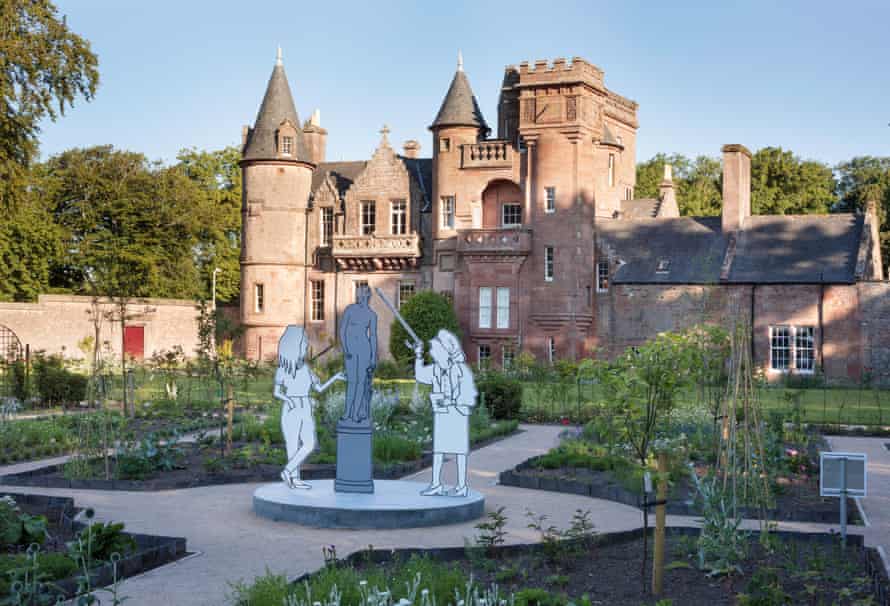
277, 167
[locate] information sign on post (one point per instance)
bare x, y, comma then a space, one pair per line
843, 474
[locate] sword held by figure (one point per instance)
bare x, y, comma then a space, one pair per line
398, 316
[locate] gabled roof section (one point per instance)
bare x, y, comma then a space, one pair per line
343, 174
276, 108
640, 208
421, 170
460, 107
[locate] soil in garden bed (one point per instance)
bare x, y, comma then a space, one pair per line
806, 572
798, 498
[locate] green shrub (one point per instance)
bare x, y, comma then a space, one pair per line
100, 540
10, 524
503, 395
55, 383
426, 312
392, 448
390, 369
538, 597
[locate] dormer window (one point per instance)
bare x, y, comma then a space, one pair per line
663, 266
287, 146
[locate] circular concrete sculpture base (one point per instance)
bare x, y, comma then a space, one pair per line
394, 504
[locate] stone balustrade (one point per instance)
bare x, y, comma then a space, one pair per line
407, 245
494, 241
487, 154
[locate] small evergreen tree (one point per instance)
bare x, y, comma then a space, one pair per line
426, 312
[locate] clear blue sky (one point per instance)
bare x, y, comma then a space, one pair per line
807, 76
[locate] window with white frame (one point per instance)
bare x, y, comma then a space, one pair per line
804, 349
317, 300
628, 193
369, 217
551, 349
259, 298
548, 263
503, 308
360, 285
399, 217
484, 355
611, 170
508, 355
602, 276
550, 199
406, 291
484, 307
327, 225
792, 348
447, 212
511, 214
287, 145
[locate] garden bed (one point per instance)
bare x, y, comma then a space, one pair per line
201, 465
63, 573
800, 502
605, 570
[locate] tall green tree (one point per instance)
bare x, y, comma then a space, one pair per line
30, 245
862, 179
44, 68
783, 184
217, 177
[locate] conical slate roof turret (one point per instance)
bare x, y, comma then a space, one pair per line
460, 107
277, 107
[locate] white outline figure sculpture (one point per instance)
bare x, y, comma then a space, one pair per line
453, 397
293, 382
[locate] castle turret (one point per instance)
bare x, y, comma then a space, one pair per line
459, 122
276, 175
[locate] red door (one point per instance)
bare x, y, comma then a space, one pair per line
134, 341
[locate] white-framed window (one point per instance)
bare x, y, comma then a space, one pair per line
550, 199
406, 291
484, 307
369, 217
792, 349
327, 225
780, 348
549, 255
551, 349
398, 217
360, 285
259, 298
287, 145
484, 355
503, 320
511, 214
447, 212
611, 170
508, 355
602, 276
317, 300
628, 193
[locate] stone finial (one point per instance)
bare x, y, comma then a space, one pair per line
384, 132
460, 61
668, 172
315, 120
278, 60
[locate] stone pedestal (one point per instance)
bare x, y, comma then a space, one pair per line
355, 458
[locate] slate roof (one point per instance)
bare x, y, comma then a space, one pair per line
609, 138
693, 247
774, 249
422, 171
460, 108
277, 106
344, 173
641, 208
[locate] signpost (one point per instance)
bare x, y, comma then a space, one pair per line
843, 474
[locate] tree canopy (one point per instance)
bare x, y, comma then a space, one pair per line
425, 312
44, 68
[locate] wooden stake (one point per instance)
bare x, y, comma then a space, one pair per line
230, 417
658, 556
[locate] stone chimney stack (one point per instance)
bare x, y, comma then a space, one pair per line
315, 138
411, 149
668, 206
736, 187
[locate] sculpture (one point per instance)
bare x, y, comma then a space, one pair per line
358, 338
453, 397
293, 382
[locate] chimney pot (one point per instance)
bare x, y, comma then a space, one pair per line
411, 148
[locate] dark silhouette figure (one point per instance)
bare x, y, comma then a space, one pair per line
358, 338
